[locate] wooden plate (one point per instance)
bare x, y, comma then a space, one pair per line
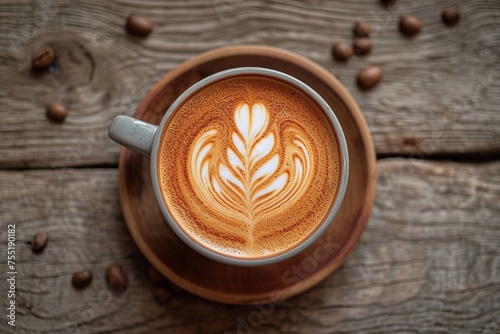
237, 285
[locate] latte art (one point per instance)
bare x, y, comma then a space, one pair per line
248, 166
243, 186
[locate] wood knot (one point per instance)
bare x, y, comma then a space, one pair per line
73, 64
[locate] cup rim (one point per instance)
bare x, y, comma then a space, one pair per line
219, 257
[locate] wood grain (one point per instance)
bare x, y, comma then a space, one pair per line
439, 94
428, 261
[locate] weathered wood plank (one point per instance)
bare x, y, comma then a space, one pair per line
429, 261
440, 92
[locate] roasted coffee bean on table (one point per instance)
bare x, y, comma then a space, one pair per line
362, 45
43, 57
369, 77
361, 29
81, 279
342, 51
138, 26
39, 241
450, 16
409, 25
116, 278
57, 112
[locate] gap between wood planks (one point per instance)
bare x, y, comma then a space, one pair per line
468, 158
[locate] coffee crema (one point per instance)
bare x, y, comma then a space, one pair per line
249, 166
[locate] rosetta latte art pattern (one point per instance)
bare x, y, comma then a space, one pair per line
252, 182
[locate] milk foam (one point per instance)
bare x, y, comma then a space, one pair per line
249, 167
235, 190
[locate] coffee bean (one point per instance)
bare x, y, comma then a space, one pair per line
341, 51
369, 77
409, 25
162, 295
57, 112
362, 46
39, 241
116, 278
138, 26
154, 275
43, 57
451, 16
361, 29
81, 279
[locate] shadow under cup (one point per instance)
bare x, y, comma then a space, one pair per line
193, 207
224, 283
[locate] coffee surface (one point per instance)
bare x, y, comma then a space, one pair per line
249, 166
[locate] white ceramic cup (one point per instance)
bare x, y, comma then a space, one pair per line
145, 138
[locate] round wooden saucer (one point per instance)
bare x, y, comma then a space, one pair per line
237, 285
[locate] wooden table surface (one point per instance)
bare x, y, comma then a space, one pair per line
429, 260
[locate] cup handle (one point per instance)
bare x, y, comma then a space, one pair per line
132, 133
